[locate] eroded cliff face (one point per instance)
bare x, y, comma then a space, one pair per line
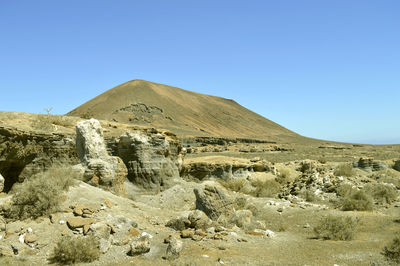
25, 153
153, 159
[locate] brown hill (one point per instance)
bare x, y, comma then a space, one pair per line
183, 112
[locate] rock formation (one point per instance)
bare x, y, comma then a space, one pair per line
214, 200
100, 168
25, 153
153, 161
369, 165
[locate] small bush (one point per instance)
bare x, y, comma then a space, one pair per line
336, 228
344, 190
235, 184
39, 195
344, 170
283, 176
382, 193
357, 200
392, 252
308, 196
267, 188
71, 250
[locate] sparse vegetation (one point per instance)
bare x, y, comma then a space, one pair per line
71, 250
356, 200
336, 228
392, 252
344, 170
40, 195
284, 175
382, 193
45, 122
257, 188
308, 195
267, 188
236, 184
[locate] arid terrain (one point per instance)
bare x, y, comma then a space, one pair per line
149, 174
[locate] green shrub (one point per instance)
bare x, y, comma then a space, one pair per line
382, 193
392, 252
40, 195
70, 250
336, 228
344, 170
357, 200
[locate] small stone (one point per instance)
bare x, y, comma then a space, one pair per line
108, 203
187, 233
86, 228
197, 238
21, 238
30, 238
170, 237
87, 211
140, 245
174, 248
200, 232
61, 222
78, 210
78, 222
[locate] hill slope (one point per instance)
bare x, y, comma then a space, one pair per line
183, 112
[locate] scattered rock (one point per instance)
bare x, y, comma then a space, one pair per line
187, 233
140, 245
180, 223
30, 238
170, 237
174, 248
199, 220
78, 222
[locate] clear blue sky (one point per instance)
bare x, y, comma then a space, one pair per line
325, 69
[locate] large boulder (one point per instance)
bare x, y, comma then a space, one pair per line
153, 160
214, 200
100, 168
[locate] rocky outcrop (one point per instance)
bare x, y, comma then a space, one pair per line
26, 153
100, 168
224, 170
369, 165
153, 160
214, 200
